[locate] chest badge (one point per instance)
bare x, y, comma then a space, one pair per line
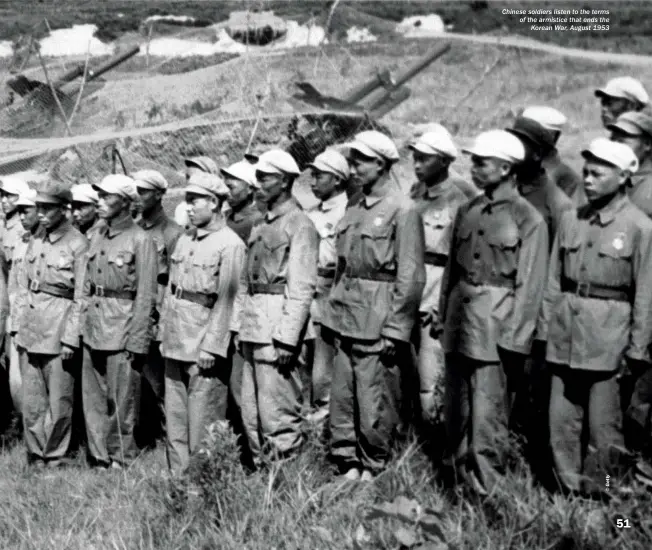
62, 263
119, 262
619, 242
378, 222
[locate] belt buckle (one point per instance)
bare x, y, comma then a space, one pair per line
583, 289
99, 291
34, 285
178, 292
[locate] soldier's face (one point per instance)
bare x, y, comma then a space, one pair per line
148, 199
8, 202
428, 167
29, 217
324, 185
201, 209
365, 171
639, 144
83, 214
612, 107
51, 215
239, 191
487, 172
601, 179
110, 206
271, 187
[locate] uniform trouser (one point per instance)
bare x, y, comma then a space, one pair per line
322, 370
365, 405
271, 402
151, 419
584, 407
111, 391
194, 399
638, 413
48, 390
430, 367
14, 373
476, 411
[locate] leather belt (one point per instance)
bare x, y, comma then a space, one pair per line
52, 290
206, 300
380, 276
435, 258
488, 280
101, 292
266, 288
590, 290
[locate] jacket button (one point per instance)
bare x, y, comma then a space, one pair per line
38, 272
191, 253
589, 244
481, 232
97, 305
466, 300
476, 255
42, 255
255, 276
101, 252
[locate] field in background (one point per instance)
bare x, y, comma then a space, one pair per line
299, 504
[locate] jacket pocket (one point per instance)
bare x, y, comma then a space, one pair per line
378, 247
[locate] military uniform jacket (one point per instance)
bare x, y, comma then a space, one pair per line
548, 199
122, 257
610, 249
49, 308
326, 216
165, 233
207, 262
438, 207
15, 278
495, 277
278, 284
243, 221
639, 188
562, 175
380, 273
12, 232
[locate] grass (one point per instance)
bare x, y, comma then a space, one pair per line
298, 504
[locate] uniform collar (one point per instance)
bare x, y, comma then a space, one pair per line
119, 225
335, 201
54, 236
281, 209
243, 213
155, 219
508, 195
379, 192
432, 192
607, 213
212, 227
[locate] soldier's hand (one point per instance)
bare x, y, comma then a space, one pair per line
206, 360
284, 355
388, 352
67, 352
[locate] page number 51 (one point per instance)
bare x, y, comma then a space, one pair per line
623, 523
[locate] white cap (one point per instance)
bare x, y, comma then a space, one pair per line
27, 198
497, 144
242, 170
13, 185
205, 164
203, 183
332, 162
118, 184
150, 179
611, 152
548, 117
277, 161
436, 141
624, 87
374, 144
84, 192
